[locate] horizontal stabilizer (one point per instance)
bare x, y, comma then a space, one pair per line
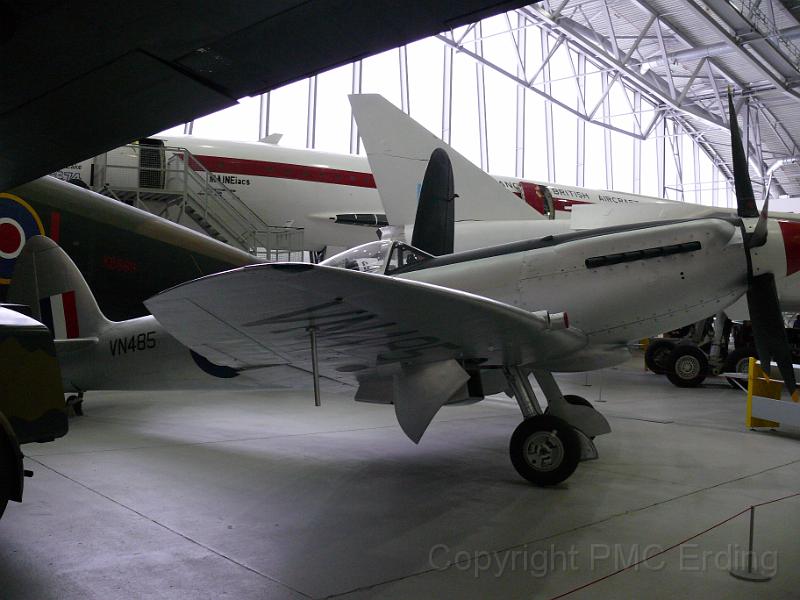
73, 345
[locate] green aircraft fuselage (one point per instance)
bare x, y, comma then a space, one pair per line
125, 254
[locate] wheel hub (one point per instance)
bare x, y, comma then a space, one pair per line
544, 451
687, 367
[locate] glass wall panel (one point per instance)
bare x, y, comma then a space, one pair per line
690, 178
501, 118
425, 72
464, 129
565, 137
288, 113
595, 166
381, 75
649, 172
622, 160
238, 122
333, 110
535, 140
674, 190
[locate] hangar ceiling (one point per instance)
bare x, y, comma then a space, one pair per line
681, 56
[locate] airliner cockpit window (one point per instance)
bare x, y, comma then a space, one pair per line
367, 258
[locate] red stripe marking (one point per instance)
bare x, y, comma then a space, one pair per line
790, 231
70, 314
565, 205
262, 168
533, 196
55, 226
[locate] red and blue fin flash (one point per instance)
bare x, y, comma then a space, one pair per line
59, 312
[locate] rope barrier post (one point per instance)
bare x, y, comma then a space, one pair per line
750, 574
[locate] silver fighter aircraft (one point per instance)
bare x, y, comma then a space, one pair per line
419, 327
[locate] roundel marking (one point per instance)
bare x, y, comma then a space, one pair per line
18, 222
11, 238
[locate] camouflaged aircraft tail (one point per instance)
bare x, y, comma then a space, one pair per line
46, 280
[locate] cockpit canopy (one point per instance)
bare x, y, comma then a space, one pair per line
383, 256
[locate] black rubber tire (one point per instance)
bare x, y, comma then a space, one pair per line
733, 360
567, 449
682, 357
656, 357
6, 470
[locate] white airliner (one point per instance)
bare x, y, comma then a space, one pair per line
333, 197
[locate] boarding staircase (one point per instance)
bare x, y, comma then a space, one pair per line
172, 183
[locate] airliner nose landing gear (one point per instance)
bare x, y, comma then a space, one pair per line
546, 448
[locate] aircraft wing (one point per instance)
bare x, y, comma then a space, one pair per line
82, 77
365, 324
405, 342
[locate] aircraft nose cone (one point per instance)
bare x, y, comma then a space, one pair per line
790, 232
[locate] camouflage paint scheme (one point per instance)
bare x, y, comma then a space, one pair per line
125, 254
31, 396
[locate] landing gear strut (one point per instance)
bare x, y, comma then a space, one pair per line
546, 447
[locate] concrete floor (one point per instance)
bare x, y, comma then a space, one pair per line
260, 495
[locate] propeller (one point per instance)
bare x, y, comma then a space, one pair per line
762, 294
434, 227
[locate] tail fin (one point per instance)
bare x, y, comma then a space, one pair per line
398, 149
47, 280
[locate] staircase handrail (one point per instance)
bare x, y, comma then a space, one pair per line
209, 180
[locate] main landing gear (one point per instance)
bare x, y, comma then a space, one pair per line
548, 445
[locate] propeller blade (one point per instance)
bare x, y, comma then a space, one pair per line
759, 235
768, 328
762, 295
745, 199
434, 226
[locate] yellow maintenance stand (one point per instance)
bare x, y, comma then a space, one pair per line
765, 408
